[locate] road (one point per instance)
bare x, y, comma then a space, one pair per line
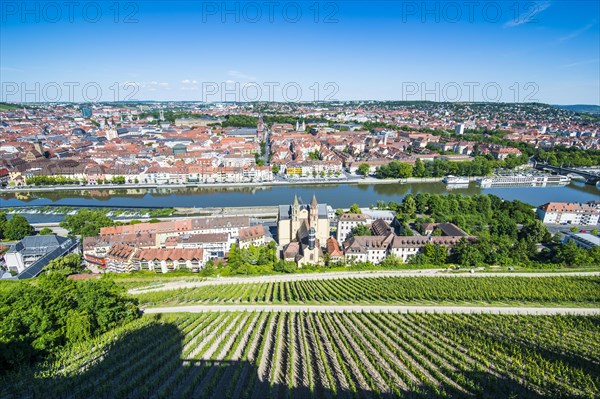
338, 275
373, 308
352, 179
56, 229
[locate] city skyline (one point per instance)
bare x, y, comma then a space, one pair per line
213, 51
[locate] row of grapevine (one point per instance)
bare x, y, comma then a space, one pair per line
424, 290
327, 355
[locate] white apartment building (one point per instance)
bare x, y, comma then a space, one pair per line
348, 221
568, 213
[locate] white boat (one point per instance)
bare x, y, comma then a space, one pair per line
455, 180
524, 180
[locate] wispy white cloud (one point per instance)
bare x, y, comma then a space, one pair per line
580, 63
531, 10
189, 82
240, 75
576, 33
153, 85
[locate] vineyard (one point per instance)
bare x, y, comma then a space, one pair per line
329, 355
577, 291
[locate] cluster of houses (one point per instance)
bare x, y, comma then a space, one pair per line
167, 246
137, 150
303, 236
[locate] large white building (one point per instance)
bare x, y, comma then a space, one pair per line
348, 221
229, 225
568, 213
30, 255
384, 242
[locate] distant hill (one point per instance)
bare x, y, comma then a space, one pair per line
10, 107
584, 108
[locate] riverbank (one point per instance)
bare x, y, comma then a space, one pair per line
337, 195
298, 182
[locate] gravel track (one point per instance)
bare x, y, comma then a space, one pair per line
342, 275
373, 308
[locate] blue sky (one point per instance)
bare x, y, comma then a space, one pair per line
547, 51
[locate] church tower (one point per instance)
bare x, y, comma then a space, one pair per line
39, 147
314, 213
260, 129
295, 224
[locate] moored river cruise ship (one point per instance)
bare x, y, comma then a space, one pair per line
524, 180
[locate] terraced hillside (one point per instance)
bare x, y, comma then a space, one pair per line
547, 291
328, 355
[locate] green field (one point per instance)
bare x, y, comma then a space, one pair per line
537, 291
327, 355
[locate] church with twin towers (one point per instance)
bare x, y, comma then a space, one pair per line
302, 230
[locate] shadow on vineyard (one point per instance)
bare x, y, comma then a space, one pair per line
157, 361
147, 363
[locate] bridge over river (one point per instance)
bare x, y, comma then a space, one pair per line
590, 177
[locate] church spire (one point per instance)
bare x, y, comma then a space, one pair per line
314, 203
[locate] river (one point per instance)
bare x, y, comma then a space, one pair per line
336, 195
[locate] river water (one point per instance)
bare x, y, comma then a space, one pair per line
336, 195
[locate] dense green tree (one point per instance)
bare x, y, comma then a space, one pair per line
46, 231
37, 319
361, 230
234, 260
534, 231
409, 205
3, 220
422, 199
355, 209
314, 155
263, 148
78, 326
87, 223
66, 265
395, 170
240, 121
118, 180
419, 169
364, 169
44, 180
431, 254
571, 255
466, 254
16, 228
502, 224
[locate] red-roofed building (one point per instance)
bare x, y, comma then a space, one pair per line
4, 175
253, 235
169, 259
568, 213
334, 251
